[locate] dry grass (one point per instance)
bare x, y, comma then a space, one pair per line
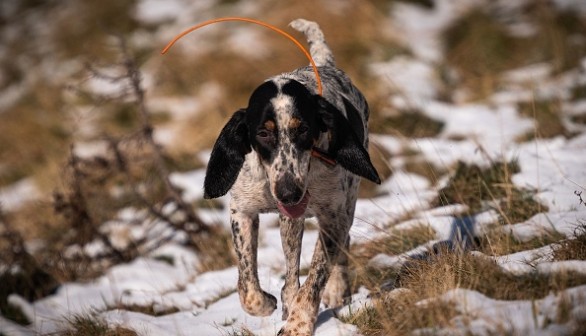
547, 115
88, 325
410, 124
218, 251
572, 249
496, 242
33, 135
479, 46
399, 314
395, 243
490, 187
422, 167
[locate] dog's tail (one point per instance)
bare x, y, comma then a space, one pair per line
320, 52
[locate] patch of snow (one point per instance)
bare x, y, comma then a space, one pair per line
17, 194
481, 315
249, 42
564, 266
90, 149
154, 11
523, 262
421, 28
489, 127
412, 81
191, 183
554, 169
544, 224
532, 74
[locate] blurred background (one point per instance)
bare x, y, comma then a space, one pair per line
75, 131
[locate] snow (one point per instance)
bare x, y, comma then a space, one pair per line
199, 302
415, 82
421, 27
485, 316
18, 193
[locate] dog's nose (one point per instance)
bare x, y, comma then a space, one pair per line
287, 191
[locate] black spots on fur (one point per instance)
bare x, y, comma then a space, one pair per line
235, 226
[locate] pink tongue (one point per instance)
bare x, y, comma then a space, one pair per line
297, 210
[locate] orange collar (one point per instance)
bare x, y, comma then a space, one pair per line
323, 156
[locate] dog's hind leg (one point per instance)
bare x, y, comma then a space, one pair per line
245, 236
320, 52
291, 238
305, 305
337, 291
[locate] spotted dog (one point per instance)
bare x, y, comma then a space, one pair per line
301, 154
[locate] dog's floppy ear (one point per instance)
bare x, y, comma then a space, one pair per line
346, 143
227, 156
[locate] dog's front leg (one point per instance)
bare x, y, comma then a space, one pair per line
245, 236
304, 308
291, 238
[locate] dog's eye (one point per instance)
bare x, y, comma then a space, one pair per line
263, 134
303, 129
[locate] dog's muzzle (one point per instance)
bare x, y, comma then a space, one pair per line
292, 200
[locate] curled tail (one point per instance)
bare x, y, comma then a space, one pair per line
320, 52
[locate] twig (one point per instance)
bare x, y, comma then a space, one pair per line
133, 74
579, 194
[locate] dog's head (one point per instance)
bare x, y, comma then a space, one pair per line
282, 124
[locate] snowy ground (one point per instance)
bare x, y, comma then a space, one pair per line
207, 304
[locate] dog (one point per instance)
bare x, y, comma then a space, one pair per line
301, 154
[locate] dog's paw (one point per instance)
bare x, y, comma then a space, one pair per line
295, 331
300, 321
337, 291
259, 303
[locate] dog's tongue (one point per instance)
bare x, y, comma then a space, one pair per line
297, 210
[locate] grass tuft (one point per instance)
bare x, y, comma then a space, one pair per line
217, 250
401, 312
479, 45
483, 275
480, 188
572, 249
411, 124
547, 115
89, 325
497, 242
395, 243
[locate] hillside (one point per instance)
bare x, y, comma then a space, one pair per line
478, 129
